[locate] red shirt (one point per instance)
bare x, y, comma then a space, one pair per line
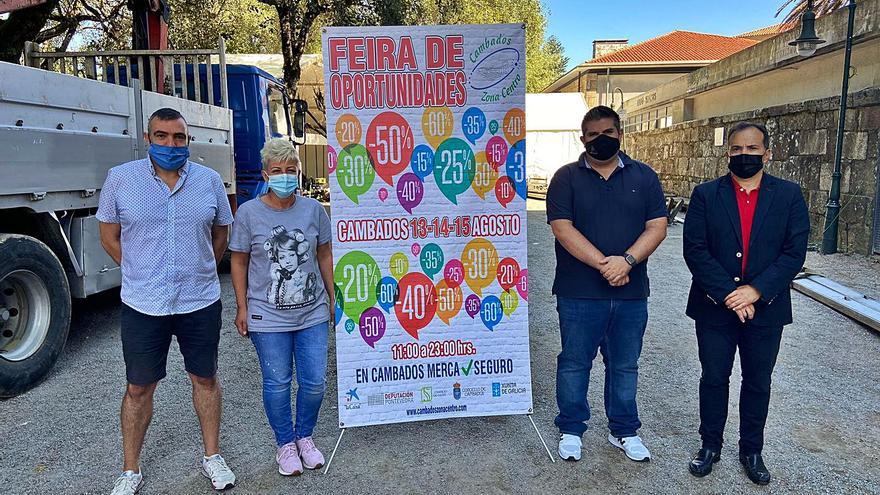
746, 202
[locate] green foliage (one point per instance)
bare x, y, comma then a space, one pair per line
247, 25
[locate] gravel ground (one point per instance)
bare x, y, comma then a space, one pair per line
63, 437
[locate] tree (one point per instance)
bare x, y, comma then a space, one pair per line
820, 7
22, 26
248, 26
296, 18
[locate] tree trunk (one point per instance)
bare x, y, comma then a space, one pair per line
21, 26
291, 47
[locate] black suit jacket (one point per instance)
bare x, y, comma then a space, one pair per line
713, 249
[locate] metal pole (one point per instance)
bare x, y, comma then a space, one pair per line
541, 437
832, 208
332, 455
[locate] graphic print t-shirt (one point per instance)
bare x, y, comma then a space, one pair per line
285, 289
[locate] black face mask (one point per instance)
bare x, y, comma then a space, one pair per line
603, 147
746, 166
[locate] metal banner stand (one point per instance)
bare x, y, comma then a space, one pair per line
342, 432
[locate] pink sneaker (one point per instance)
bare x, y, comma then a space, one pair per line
288, 460
311, 456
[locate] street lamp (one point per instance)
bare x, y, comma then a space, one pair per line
808, 41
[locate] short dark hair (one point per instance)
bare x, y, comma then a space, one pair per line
164, 114
598, 113
750, 125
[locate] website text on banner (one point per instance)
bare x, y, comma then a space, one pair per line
428, 186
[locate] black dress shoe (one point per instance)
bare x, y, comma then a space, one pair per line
755, 468
701, 464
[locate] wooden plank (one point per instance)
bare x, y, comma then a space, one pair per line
104, 69
210, 74
117, 79
153, 67
128, 53
839, 302
169, 75
197, 81
184, 81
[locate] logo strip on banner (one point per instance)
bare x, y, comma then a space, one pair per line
427, 162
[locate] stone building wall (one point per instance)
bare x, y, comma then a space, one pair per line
803, 139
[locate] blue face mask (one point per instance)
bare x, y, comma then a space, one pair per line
283, 185
169, 157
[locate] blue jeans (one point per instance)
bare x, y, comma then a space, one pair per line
276, 351
616, 327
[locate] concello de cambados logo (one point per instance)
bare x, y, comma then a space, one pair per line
456, 391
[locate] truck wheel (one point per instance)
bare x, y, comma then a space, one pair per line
34, 312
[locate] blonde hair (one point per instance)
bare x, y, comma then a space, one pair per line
279, 150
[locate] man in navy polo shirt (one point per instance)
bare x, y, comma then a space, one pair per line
608, 214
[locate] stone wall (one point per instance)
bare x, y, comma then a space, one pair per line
803, 138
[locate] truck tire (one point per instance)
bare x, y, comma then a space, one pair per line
34, 312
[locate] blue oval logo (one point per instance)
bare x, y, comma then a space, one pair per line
494, 68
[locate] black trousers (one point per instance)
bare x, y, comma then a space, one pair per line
758, 348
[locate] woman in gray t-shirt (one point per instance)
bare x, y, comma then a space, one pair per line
281, 266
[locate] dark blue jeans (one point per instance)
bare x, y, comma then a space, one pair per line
276, 351
616, 327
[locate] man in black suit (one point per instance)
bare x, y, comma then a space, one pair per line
745, 239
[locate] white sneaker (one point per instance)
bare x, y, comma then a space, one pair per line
215, 468
570, 447
128, 483
632, 447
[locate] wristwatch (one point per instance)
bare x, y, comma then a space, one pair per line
630, 259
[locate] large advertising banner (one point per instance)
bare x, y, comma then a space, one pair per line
426, 147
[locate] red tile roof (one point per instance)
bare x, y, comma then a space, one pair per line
774, 29
677, 46
767, 32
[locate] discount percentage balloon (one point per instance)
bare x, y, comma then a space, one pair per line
387, 293
332, 159
484, 175
491, 312
418, 303
357, 275
449, 300
522, 285
472, 305
453, 273
410, 191
508, 273
437, 125
509, 301
348, 130
505, 190
354, 172
399, 265
496, 151
480, 261
516, 167
454, 167
372, 326
473, 123
431, 259
422, 161
390, 143
514, 125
